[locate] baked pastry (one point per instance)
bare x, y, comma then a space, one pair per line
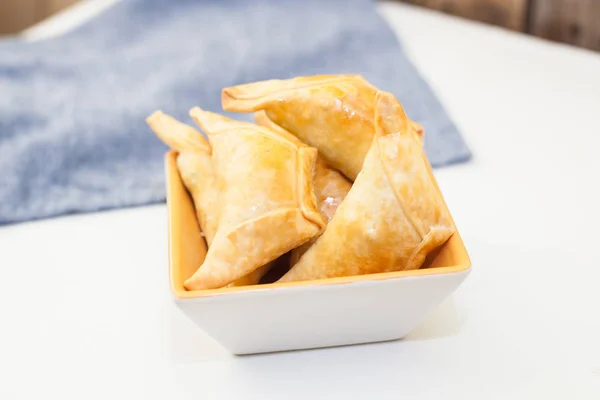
195, 168
393, 215
194, 165
330, 185
266, 205
333, 113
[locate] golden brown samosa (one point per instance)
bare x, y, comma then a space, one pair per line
393, 215
330, 185
194, 165
266, 205
195, 168
333, 113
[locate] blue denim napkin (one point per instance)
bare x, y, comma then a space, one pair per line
72, 108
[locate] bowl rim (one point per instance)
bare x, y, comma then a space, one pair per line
171, 172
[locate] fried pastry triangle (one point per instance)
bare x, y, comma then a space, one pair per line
267, 205
330, 185
333, 113
194, 165
393, 215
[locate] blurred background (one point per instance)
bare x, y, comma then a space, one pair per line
575, 22
16, 15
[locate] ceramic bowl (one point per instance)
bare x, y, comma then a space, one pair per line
302, 315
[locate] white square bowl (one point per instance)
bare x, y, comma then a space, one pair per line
303, 315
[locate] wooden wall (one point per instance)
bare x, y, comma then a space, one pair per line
17, 15
576, 22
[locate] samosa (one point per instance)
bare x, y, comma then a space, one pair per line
333, 113
393, 215
267, 205
195, 168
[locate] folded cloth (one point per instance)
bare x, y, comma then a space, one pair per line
72, 109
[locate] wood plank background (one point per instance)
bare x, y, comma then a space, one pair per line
575, 22
508, 13
17, 15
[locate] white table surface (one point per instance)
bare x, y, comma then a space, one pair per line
86, 313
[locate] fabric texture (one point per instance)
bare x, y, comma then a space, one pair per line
73, 136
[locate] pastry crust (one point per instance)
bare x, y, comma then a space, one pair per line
333, 113
267, 205
393, 215
330, 185
195, 168
194, 165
